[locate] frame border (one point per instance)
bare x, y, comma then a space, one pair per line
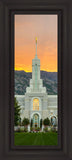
5, 9
11, 73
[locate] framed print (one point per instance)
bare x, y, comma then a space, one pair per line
36, 97
36, 80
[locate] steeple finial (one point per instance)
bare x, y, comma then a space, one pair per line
36, 48
36, 39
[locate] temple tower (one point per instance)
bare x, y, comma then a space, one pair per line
36, 71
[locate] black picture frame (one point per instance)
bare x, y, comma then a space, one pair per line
7, 10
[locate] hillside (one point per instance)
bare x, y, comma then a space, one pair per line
22, 81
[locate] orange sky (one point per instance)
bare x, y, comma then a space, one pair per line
44, 27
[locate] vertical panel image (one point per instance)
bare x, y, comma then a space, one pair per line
36, 90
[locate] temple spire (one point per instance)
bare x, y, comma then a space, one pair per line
36, 49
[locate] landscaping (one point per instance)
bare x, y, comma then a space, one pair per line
40, 138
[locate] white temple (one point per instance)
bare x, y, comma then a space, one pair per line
36, 104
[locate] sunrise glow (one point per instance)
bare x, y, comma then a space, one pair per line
27, 28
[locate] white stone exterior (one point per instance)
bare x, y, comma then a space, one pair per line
47, 103
43, 112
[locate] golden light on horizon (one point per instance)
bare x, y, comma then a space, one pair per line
27, 27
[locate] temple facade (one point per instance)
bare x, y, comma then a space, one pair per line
36, 104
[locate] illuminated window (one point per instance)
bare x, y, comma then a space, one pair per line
35, 104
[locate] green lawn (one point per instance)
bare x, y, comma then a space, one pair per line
49, 138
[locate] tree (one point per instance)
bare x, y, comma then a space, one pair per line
46, 122
31, 122
17, 109
25, 122
40, 123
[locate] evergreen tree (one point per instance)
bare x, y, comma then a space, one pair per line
25, 122
46, 122
31, 122
40, 123
17, 109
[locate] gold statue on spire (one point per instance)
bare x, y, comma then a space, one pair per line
36, 39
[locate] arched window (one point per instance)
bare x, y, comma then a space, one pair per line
36, 120
36, 104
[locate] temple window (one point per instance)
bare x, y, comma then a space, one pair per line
35, 104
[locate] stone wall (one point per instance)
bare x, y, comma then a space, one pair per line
48, 107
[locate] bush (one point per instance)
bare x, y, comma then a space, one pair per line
25, 122
31, 128
18, 130
53, 129
37, 129
22, 129
46, 129
46, 122
25, 130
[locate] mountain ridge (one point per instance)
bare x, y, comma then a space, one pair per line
22, 81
